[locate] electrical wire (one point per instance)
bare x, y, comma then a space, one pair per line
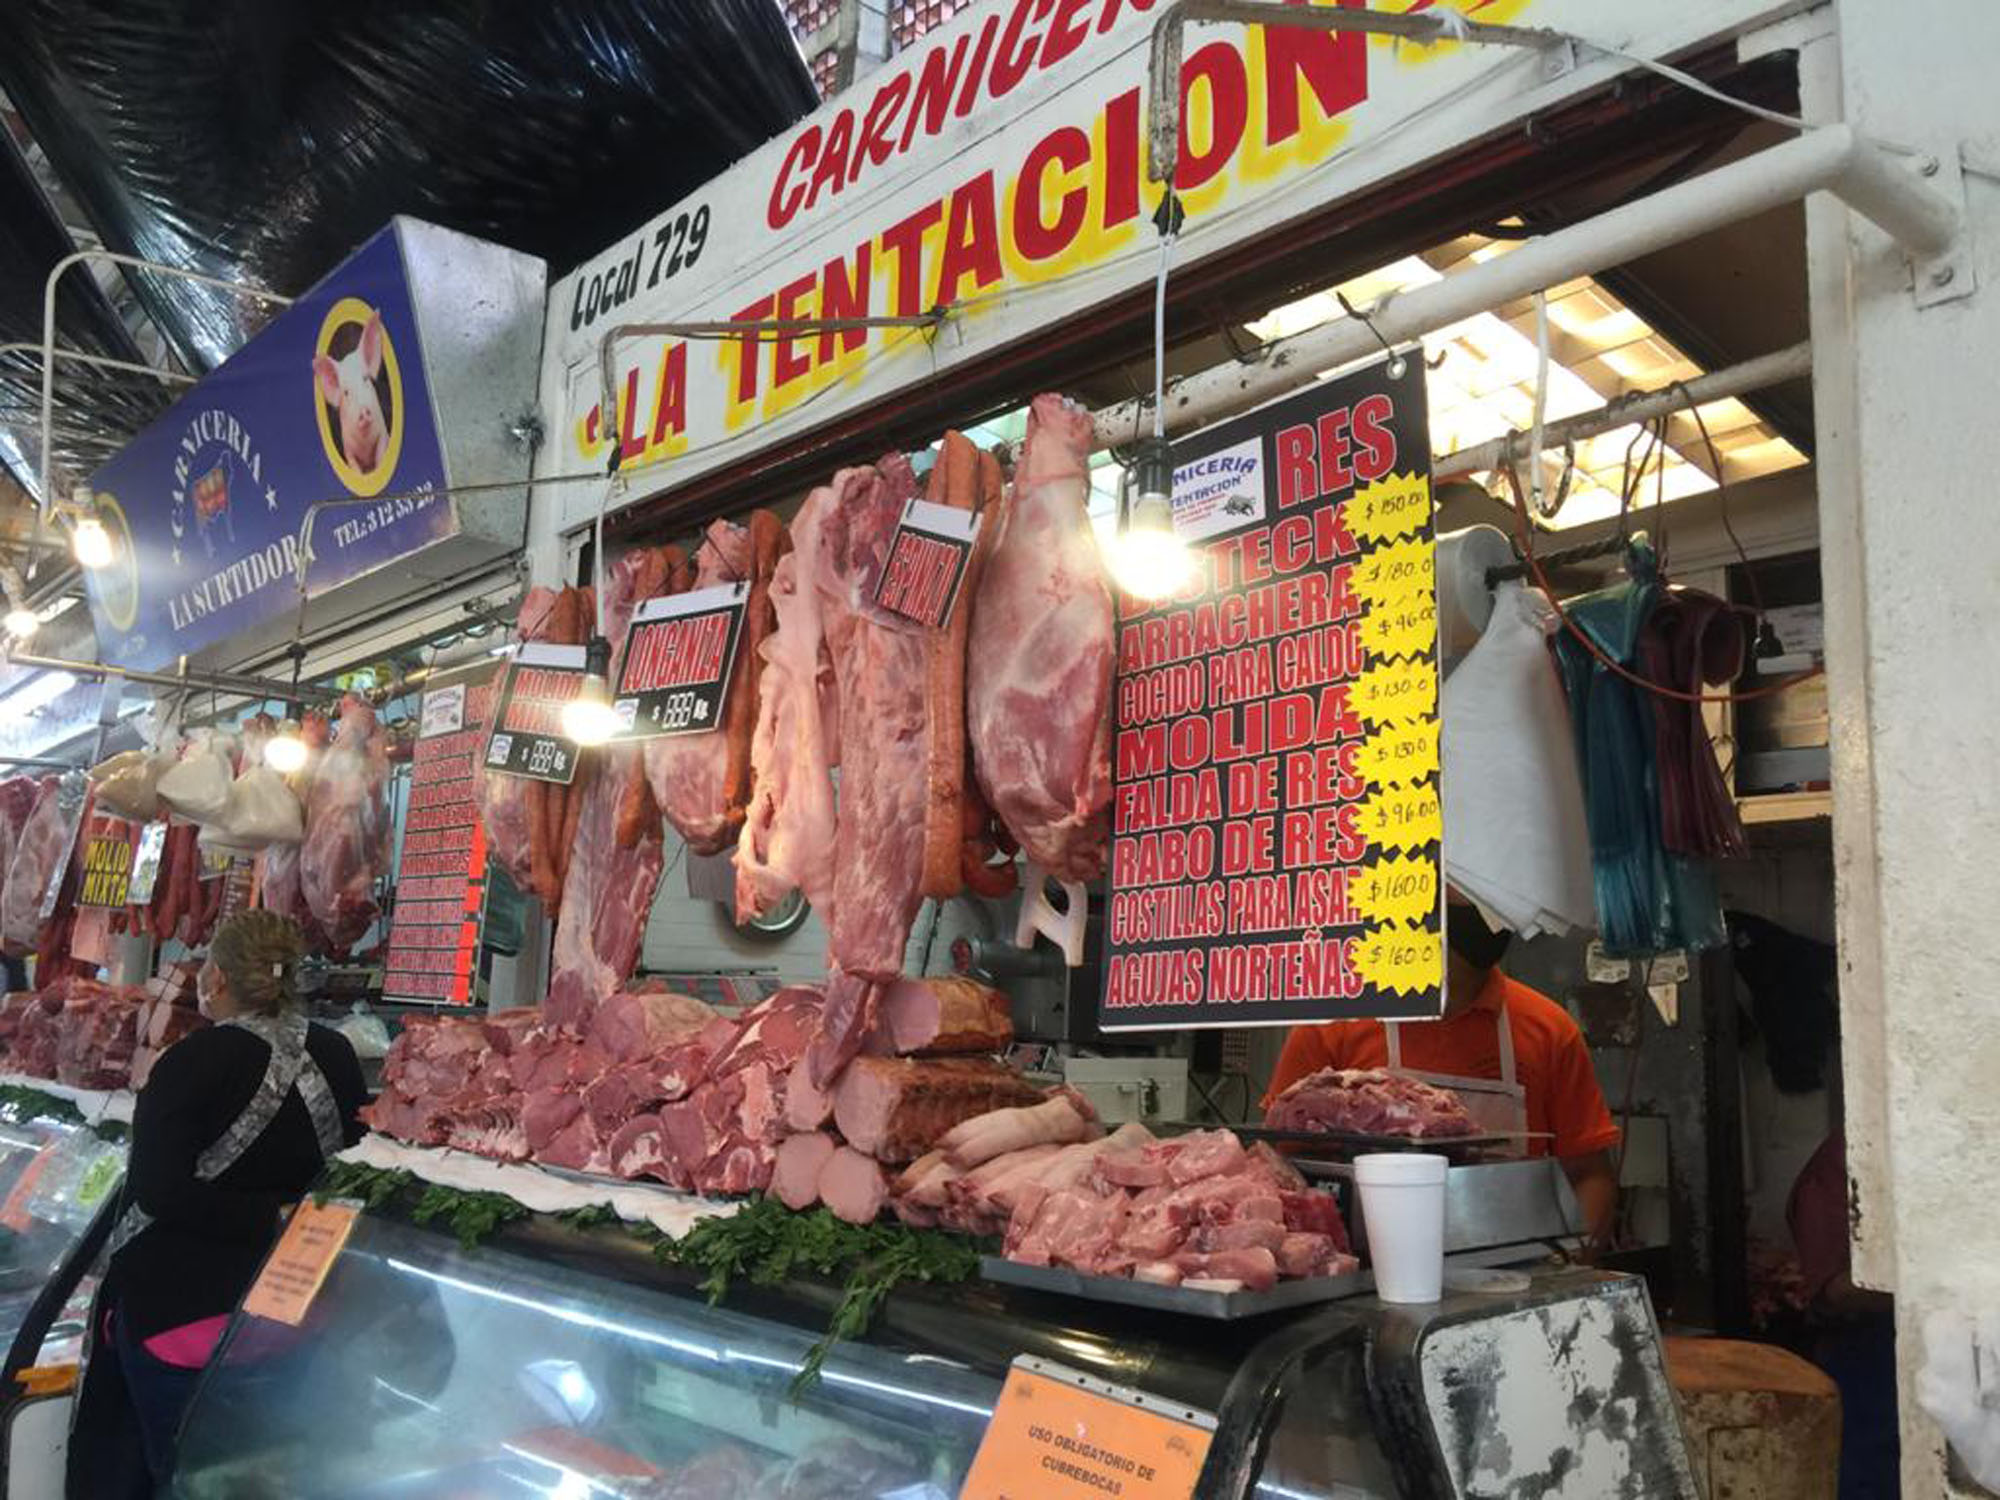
1524, 537
1160, 336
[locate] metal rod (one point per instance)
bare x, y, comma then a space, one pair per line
39, 760
44, 499
1636, 406
200, 682
607, 369
1163, 126
77, 356
1686, 211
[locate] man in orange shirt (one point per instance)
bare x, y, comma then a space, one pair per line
1548, 1054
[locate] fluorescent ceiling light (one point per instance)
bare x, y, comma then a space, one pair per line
1483, 387
37, 693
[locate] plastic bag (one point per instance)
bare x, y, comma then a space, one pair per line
128, 784
261, 811
1959, 1388
197, 786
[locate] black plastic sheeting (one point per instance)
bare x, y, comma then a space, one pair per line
262, 140
96, 410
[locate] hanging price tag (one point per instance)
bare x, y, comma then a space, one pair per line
146, 864
527, 738
297, 1268
928, 557
1057, 1434
679, 659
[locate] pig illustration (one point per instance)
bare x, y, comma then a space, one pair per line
348, 386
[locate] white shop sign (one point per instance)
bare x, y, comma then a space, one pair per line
999, 167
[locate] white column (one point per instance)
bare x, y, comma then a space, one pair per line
1909, 473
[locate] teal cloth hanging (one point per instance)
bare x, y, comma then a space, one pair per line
1648, 899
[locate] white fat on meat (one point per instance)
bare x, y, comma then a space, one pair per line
788, 836
1039, 658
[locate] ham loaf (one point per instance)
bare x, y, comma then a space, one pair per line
941, 1014
896, 1109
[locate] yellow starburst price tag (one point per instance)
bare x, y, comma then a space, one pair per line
1396, 692
1399, 754
1406, 629
1399, 573
1395, 889
1402, 818
1406, 960
1390, 508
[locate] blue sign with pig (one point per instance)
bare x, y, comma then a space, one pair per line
205, 507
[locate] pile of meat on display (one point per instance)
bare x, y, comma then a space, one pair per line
1370, 1101
88, 1035
937, 789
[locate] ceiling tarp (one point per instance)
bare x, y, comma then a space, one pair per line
262, 142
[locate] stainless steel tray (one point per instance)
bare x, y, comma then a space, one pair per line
1452, 1147
1193, 1303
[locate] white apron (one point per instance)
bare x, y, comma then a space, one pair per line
1497, 1106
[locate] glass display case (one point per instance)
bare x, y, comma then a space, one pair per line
572, 1366
54, 1177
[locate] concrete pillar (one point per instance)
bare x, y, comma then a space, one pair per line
1907, 451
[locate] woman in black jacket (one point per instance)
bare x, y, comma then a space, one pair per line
232, 1127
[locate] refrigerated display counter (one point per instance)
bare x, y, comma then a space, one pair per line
570, 1364
54, 1177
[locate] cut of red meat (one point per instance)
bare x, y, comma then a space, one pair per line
505, 1029
638, 1149
1255, 1269
795, 1179
1039, 660
741, 1166
1314, 1212
1369, 1101
577, 1146
607, 892
44, 846
776, 1031
545, 1114
845, 1022
789, 835
637, 1022
346, 848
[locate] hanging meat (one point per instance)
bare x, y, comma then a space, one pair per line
530, 824
346, 848
47, 839
278, 866
1038, 701
788, 837
701, 782
608, 891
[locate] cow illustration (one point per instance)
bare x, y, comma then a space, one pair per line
1238, 505
211, 505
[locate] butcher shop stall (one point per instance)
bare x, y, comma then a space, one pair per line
862, 769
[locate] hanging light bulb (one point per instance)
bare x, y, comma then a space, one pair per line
21, 622
91, 543
589, 718
1148, 557
285, 752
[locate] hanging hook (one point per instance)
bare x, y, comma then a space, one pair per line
1397, 365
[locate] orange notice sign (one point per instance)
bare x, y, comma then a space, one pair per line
291, 1278
1055, 1436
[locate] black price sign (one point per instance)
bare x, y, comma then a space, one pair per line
679, 658
928, 557
527, 738
1276, 826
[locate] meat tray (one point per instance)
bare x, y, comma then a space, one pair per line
1452, 1147
1191, 1302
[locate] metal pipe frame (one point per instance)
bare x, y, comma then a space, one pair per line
44, 500
101, 362
1163, 109
1829, 158
607, 367
257, 688
1636, 406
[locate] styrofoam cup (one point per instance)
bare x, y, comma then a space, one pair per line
1402, 1215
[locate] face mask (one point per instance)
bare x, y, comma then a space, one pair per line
204, 993
1467, 934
